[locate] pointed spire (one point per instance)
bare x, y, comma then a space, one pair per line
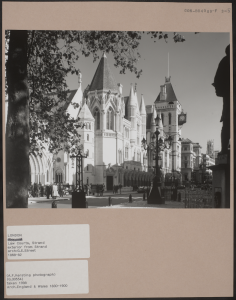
104, 54
132, 98
142, 107
160, 124
103, 78
136, 99
154, 115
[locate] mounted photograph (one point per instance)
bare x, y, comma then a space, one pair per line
117, 119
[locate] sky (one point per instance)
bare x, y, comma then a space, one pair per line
192, 67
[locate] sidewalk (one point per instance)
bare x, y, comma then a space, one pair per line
143, 204
110, 193
44, 199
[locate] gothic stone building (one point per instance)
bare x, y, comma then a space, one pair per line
115, 127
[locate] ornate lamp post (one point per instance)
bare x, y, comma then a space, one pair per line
78, 195
157, 146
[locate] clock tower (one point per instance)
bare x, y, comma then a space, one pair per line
173, 118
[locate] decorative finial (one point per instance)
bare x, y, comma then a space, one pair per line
167, 79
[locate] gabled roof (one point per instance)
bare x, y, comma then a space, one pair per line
103, 78
85, 113
170, 94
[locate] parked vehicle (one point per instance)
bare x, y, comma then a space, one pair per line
141, 189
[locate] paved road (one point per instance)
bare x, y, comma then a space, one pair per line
92, 201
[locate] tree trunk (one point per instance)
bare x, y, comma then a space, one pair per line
17, 128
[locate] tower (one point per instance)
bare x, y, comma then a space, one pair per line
105, 104
143, 114
77, 98
210, 148
169, 107
87, 140
132, 109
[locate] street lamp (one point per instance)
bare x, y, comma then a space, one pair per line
78, 195
156, 146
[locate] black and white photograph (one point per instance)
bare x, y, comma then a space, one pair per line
117, 119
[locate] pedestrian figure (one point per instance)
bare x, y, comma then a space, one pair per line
97, 189
113, 189
55, 190
102, 190
47, 190
222, 89
120, 186
179, 197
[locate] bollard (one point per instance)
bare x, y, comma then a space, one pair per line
109, 201
130, 198
54, 205
144, 196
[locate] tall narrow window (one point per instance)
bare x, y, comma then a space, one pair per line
110, 119
96, 115
169, 118
126, 152
87, 137
162, 118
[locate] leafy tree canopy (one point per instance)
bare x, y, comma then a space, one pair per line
51, 57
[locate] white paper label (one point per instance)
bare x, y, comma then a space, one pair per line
48, 241
47, 277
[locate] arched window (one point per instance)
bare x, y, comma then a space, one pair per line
120, 156
47, 176
58, 176
126, 152
96, 115
169, 118
87, 153
87, 137
134, 155
87, 167
110, 119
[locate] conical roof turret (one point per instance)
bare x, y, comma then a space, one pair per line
136, 99
142, 107
154, 115
132, 98
103, 78
160, 124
